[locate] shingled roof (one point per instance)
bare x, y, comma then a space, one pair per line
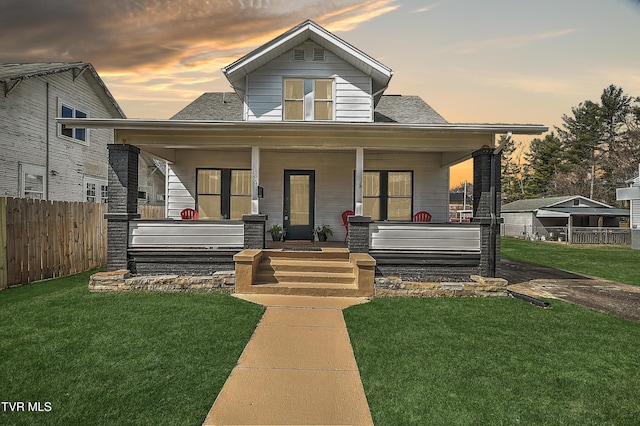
227, 106
216, 106
406, 109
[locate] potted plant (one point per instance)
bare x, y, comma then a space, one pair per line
277, 232
323, 232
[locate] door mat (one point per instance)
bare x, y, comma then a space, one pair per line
302, 249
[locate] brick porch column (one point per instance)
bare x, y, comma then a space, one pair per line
254, 230
358, 239
486, 207
123, 202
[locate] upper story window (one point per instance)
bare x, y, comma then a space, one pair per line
308, 99
78, 134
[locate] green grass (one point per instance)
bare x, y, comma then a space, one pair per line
104, 359
495, 361
612, 263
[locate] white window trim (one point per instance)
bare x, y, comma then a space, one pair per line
34, 170
98, 182
308, 99
60, 126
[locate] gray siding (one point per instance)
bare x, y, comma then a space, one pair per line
353, 101
23, 135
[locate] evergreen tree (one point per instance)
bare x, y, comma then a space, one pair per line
545, 160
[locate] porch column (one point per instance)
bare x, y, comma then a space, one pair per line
486, 207
255, 180
123, 202
359, 172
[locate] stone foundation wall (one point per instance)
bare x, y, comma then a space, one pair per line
222, 281
476, 287
428, 273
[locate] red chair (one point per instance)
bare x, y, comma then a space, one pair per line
422, 216
345, 221
189, 214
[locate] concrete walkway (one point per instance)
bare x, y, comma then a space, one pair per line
298, 368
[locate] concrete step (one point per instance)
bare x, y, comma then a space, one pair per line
282, 264
325, 254
326, 277
307, 289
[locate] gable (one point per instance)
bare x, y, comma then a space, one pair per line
351, 87
12, 75
308, 30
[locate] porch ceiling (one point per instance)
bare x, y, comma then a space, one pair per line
162, 138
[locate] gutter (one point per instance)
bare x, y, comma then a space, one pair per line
194, 125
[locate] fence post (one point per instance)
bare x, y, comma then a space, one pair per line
3, 244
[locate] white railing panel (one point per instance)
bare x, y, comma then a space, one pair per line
176, 234
424, 237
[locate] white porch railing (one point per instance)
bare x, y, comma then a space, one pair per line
620, 236
425, 237
186, 234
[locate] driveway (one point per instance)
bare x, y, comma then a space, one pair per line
610, 297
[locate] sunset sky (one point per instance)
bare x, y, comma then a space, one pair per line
489, 61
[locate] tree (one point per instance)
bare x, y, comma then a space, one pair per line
515, 171
545, 161
600, 145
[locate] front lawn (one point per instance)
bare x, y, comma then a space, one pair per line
135, 358
492, 361
612, 263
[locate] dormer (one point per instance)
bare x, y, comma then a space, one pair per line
308, 74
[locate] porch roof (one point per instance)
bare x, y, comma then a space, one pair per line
582, 211
162, 138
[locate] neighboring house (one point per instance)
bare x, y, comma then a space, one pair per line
632, 195
40, 158
574, 219
309, 134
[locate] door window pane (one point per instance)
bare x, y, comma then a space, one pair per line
399, 184
371, 207
399, 209
209, 181
241, 182
299, 200
209, 207
240, 205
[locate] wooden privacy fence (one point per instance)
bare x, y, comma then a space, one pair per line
46, 239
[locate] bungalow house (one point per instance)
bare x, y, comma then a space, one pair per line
574, 219
42, 159
308, 137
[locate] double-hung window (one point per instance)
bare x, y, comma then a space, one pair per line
33, 181
308, 99
387, 195
95, 190
223, 193
78, 134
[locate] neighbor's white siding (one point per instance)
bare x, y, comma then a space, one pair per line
635, 214
352, 88
23, 135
